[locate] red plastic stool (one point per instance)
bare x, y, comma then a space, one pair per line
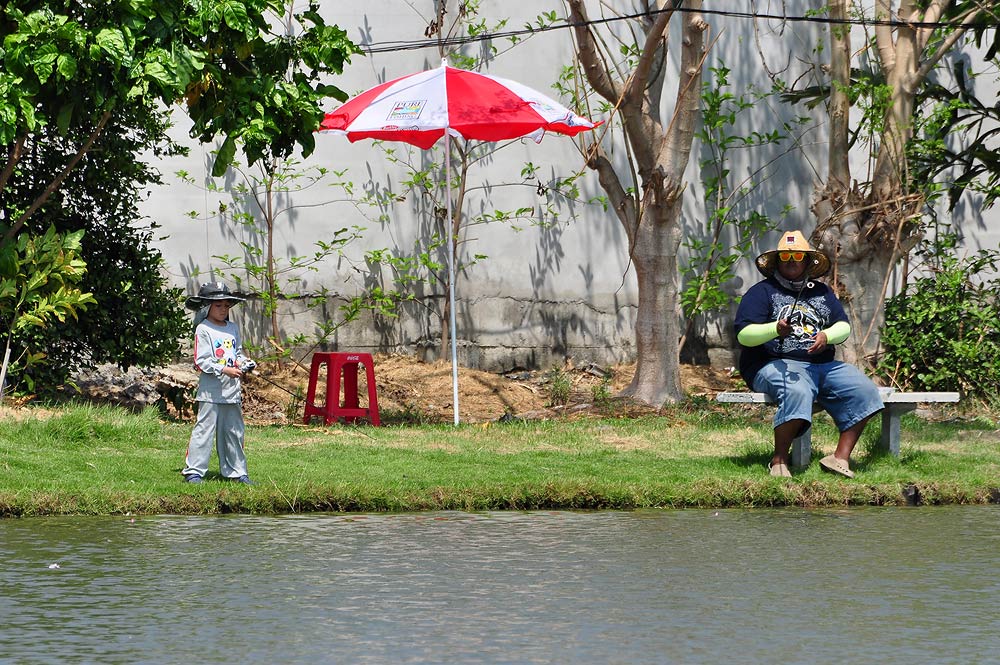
342, 367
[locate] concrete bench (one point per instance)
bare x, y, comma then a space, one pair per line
896, 404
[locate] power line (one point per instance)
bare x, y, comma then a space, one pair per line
392, 46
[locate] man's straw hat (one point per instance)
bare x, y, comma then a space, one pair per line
817, 264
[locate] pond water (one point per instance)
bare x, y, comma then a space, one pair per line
859, 585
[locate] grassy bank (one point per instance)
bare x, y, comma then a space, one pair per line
103, 460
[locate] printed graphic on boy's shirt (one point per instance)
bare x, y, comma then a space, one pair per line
225, 351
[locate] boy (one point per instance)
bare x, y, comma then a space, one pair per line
220, 363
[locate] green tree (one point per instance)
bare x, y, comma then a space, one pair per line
136, 318
73, 70
76, 65
869, 218
38, 277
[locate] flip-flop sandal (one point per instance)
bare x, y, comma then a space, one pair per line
779, 470
834, 465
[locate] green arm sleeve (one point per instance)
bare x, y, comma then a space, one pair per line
756, 334
838, 332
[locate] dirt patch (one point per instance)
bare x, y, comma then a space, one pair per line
19, 412
408, 391
415, 391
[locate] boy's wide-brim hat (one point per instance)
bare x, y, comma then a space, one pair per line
210, 292
817, 263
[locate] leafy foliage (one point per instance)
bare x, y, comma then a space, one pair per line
260, 87
69, 65
257, 209
38, 277
943, 332
731, 228
81, 85
38, 285
136, 319
972, 164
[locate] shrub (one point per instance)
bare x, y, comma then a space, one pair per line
943, 331
560, 386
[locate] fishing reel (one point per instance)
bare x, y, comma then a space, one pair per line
248, 366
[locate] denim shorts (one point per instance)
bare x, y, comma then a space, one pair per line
843, 390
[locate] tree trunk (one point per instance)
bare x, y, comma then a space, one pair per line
866, 229
648, 203
657, 324
859, 273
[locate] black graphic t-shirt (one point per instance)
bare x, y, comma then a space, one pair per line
815, 309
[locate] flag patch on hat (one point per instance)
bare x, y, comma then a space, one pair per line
789, 238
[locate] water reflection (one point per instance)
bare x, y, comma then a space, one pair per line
852, 586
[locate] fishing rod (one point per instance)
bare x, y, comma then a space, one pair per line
798, 296
250, 366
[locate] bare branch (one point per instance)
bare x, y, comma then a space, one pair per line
654, 39
946, 45
680, 132
596, 74
58, 180
13, 157
622, 203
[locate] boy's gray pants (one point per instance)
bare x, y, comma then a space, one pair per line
221, 424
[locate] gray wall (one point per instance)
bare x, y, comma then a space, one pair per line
543, 294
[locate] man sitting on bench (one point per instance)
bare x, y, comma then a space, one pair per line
787, 326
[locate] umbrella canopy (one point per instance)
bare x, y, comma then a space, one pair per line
421, 108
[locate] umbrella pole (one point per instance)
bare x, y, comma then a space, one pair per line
451, 276
3, 372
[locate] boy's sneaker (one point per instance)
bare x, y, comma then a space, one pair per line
244, 479
192, 478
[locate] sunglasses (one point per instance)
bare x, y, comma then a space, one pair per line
791, 256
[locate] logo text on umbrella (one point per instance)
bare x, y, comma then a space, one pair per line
407, 110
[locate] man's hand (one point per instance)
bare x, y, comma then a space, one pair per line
819, 344
784, 328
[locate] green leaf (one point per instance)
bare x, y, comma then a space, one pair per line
28, 111
112, 42
44, 60
235, 15
224, 158
155, 70
66, 65
8, 260
64, 117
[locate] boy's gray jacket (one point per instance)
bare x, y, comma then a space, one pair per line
217, 347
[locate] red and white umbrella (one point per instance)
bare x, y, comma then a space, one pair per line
421, 108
